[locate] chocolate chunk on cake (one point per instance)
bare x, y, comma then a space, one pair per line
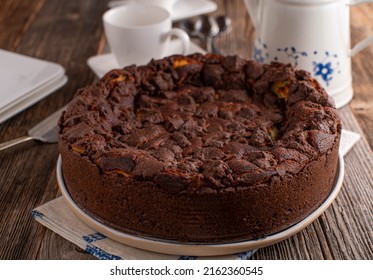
200, 148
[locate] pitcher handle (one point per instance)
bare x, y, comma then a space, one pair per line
367, 41
358, 2
361, 45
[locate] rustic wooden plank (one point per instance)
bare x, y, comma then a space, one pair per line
17, 196
66, 32
56, 247
362, 65
357, 208
239, 40
83, 20
16, 17
23, 184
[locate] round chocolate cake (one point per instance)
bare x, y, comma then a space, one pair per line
200, 148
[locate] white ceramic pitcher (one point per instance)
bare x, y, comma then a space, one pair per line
310, 34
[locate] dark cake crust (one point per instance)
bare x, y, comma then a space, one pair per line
202, 148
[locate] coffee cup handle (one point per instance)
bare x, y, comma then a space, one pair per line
184, 38
367, 41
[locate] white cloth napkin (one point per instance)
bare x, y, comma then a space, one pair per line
57, 216
348, 140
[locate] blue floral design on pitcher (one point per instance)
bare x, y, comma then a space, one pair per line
260, 52
327, 67
323, 70
292, 53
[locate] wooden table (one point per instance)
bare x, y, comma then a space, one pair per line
68, 32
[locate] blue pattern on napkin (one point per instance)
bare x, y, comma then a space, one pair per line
246, 255
100, 254
37, 214
93, 237
187, 258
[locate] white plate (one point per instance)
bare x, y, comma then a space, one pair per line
189, 249
342, 98
103, 63
20, 74
29, 95
32, 97
182, 8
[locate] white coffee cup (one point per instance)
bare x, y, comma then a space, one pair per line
167, 4
137, 33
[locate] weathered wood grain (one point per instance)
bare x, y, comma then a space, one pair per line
15, 22
362, 65
239, 40
68, 32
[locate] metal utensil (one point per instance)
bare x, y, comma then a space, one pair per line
225, 25
189, 26
45, 131
208, 27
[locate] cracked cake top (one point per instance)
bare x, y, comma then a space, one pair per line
202, 123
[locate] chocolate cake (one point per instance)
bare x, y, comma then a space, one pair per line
200, 148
